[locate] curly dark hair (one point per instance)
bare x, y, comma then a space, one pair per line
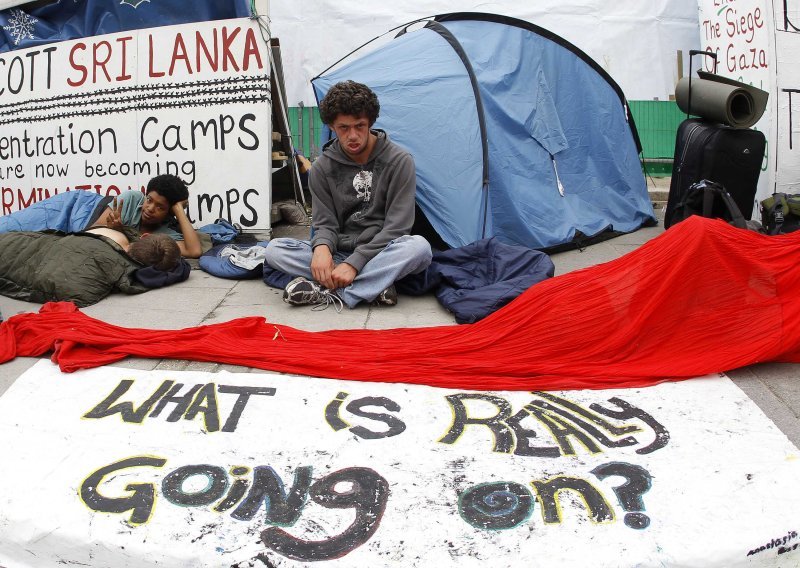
351, 98
170, 187
156, 250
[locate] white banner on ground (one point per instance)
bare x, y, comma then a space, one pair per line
123, 468
636, 42
107, 113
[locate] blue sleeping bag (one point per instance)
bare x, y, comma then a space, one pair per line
478, 279
69, 212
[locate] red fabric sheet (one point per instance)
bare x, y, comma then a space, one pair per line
703, 297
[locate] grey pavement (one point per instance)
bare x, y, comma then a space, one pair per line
205, 299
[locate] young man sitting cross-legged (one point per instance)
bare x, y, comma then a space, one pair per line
363, 191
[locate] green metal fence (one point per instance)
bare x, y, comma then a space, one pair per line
306, 126
657, 122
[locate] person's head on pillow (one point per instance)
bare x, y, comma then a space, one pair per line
156, 250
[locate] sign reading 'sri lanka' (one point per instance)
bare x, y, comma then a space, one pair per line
107, 113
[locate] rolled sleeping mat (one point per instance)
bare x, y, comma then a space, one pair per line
722, 100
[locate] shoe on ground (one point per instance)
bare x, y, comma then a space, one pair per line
304, 292
388, 297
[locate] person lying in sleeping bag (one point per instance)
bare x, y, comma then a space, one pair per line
161, 209
154, 249
85, 267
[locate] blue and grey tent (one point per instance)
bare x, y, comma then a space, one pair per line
516, 133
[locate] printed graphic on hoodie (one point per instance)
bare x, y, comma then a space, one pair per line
363, 185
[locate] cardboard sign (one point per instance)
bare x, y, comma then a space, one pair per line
113, 467
107, 113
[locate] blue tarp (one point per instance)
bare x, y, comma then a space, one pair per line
32, 24
519, 135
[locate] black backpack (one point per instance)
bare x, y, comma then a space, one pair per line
780, 214
708, 199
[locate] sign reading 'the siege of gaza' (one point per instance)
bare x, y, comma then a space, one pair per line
107, 113
756, 42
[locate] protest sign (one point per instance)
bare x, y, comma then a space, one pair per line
114, 467
107, 113
756, 42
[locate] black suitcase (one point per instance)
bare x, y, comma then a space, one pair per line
729, 156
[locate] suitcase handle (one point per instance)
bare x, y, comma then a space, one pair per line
692, 53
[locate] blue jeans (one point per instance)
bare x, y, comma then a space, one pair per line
405, 255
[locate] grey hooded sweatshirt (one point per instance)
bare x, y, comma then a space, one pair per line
360, 208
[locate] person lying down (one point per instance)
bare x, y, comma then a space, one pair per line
155, 249
85, 267
160, 209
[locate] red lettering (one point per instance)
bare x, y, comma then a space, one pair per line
730, 19
709, 64
101, 63
757, 17
745, 25
96, 187
23, 203
123, 42
751, 58
9, 196
44, 193
179, 53
153, 73
213, 62
251, 50
7, 200
711, 30
731, 58
221, 49
226, 48
78, 67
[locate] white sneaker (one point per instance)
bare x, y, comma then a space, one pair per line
304, 292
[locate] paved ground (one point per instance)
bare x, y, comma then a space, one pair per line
205, 299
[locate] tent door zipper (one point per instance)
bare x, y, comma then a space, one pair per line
558, 179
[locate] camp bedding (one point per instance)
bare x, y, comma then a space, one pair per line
703, 297
82, 268
51, 266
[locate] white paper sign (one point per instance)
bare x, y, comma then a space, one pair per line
787, 96
107, 113
757, 42
113, 467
